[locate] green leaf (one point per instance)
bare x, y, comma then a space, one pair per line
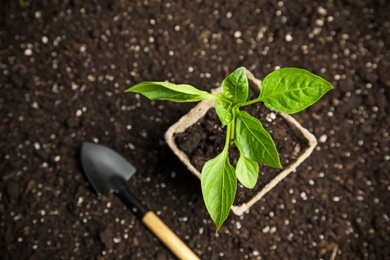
247, 172
169, 91
219, 186
255, 142
291, 90
224, 109
235, 86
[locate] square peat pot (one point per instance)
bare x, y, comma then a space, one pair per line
198, 137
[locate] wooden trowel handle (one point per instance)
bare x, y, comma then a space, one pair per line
165, 234
155, 224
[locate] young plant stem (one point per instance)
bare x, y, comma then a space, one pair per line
232, 132
228, 135
232, 124
253, 101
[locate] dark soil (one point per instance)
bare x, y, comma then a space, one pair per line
64, 67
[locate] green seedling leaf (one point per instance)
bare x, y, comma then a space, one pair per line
224, 109
235, 86
169, 91
255, 142
219, 186
247, 172
291, 90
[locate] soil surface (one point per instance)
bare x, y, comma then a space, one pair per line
65, 66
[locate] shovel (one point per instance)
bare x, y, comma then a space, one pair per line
107, 171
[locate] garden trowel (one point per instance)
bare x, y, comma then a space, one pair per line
107, 171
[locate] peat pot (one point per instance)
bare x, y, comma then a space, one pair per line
199, 136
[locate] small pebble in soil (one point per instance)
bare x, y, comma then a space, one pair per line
323, 138
273, 230
265, 229
28, 52
79, 112
322, 11
38, 14
37, 146
35, 105
319, 22
45, 40
238, 225
270, 117
288, 37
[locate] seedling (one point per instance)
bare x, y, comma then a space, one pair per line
288, 90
